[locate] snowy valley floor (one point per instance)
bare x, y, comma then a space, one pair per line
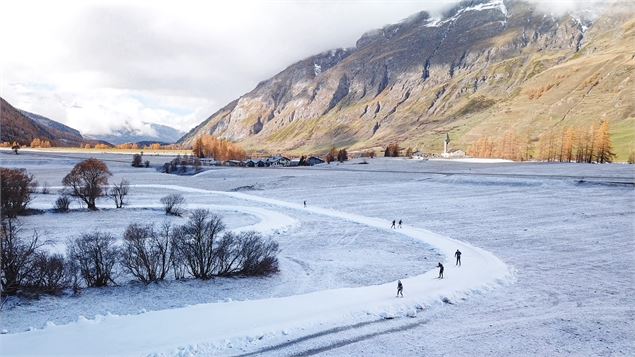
565, 232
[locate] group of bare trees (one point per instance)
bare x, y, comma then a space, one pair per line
25, 267
205, 250
200, 248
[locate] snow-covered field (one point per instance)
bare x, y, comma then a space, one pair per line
548, 269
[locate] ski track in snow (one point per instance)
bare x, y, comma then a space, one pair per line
216, 326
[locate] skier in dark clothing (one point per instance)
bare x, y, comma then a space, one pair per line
399, 223
393, 224
458, 257
304, 204
399, 288
440, 266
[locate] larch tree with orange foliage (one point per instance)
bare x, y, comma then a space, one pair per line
219, 149
603, 145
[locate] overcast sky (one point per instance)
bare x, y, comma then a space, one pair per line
100, 65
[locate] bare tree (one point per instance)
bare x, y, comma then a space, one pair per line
177, 258
196, 241
95, 255
173, 204
87, 180
17, 255
118, 193
16, 187
146, 254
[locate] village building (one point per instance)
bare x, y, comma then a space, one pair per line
278, 161
314, 161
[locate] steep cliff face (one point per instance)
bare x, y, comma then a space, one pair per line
483, 68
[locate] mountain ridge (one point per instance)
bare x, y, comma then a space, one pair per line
22, 127
470, 73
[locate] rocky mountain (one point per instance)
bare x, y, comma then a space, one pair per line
152, 133
23, 127
483, 68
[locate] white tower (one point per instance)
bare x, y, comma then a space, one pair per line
446, 142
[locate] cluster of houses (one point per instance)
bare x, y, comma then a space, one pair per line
274, 161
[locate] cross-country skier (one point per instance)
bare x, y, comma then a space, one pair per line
393, 224
440, 266
400, 223
399, 288
458, 257
304, 204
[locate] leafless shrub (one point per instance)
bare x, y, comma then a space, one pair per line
45, 189
118, 193
62, 203
48, 274
258, 255
95, 255
146, 254
195, 243
246, 253
173, 204
200, 248
17, 256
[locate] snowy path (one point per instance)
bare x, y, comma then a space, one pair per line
206, 327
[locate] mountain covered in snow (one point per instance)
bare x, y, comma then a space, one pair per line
149, 133
483, 68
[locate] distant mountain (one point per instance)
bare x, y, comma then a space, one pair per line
481, 69
23, 127
153, 133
